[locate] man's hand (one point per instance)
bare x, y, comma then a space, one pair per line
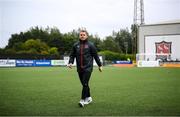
100, 69
69, 65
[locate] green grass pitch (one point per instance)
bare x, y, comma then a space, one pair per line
55, 91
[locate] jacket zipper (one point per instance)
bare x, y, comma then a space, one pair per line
81, 54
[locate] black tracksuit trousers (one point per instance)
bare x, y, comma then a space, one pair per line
84, 77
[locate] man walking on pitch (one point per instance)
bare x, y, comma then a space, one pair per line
84, 51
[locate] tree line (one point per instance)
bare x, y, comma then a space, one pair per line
48, 42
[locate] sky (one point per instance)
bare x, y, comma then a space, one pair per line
99, 17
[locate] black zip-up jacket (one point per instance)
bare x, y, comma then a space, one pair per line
84, 52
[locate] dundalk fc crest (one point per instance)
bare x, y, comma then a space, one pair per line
163, 48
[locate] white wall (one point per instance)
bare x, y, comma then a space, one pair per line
150, 46
156, 30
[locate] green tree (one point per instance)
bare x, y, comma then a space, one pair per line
54, 51
123, 38
110, 44
2, 51
13, 39
69, 39
36, 46
97, 41
134, 31
10, 51
19, 46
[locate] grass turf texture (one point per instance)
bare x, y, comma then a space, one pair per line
115, 91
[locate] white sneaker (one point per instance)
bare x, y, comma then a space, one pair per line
81, 103
88, 100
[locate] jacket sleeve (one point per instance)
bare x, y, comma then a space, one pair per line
72, 55
95, 55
